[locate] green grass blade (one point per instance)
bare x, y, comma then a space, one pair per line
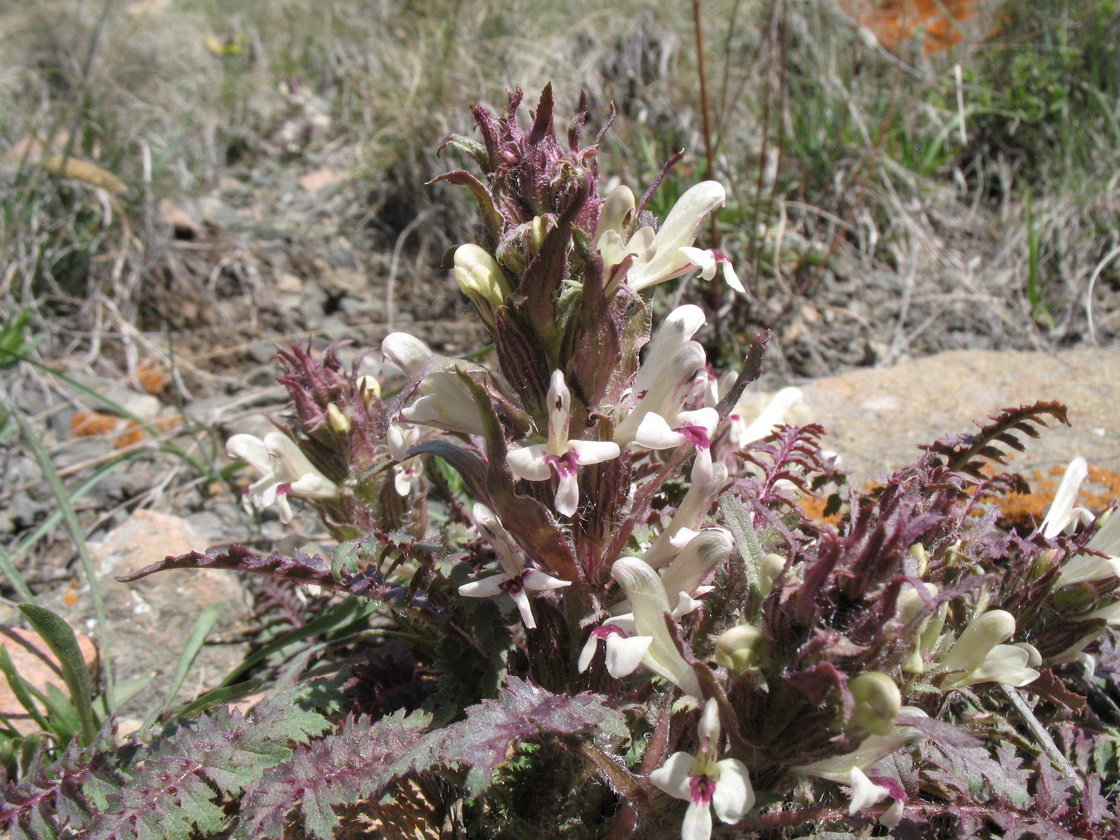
220, 695
8, 566
22, 690
340, 615
199, 632
63, 643
52, 519
75, 530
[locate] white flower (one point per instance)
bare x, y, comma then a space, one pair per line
649, 257
445, 401
866, 793
872, 749
695, 427
696, 561
776, 412
1062, 513
515, 579
977, 656
537, 462
624, 650
695, 505
649, 609
407, 471
285, 471
706, 783
672, 363
674, 332
1088, 568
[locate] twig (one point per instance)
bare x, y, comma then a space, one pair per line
1043, 737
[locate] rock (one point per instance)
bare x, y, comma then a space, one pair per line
317, 179
38, 667
876, 418
149, 620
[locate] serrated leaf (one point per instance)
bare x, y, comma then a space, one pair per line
486, 739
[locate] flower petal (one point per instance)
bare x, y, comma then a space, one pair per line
731, 277
521, 598
654, 432
1061, 511
625, 653
406, 351
594, 451
734, 794
249, 449
672, 776
864, 791
528, 462
538, 581
567, 494
697, 823
702, 259
488, 587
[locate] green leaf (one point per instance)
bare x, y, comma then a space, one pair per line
63, 643
195, 640
750, 549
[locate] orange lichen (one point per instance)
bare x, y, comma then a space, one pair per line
94, 423
152, 376
1024, 511
814, 509
938, 24
133, 434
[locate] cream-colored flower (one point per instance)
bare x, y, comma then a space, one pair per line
978, 655
285, 470
516, 579
650, 257
537, 462
706, 782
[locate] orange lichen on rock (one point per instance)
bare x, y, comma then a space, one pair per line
938, 24
1024, 511
152, 377
133, 433
94, 423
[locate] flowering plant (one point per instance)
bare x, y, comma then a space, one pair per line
620, 616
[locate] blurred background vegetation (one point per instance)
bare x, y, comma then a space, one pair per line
906, 176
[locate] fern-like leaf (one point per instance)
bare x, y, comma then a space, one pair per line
354, 763
968, 453
299, 568
160, 791
485, 740
364, 757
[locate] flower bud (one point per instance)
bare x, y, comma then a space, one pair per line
910, 605
369, 388
768, 571
878, 701
919, 554
480, 278
740, 648
339, 422
977, 640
